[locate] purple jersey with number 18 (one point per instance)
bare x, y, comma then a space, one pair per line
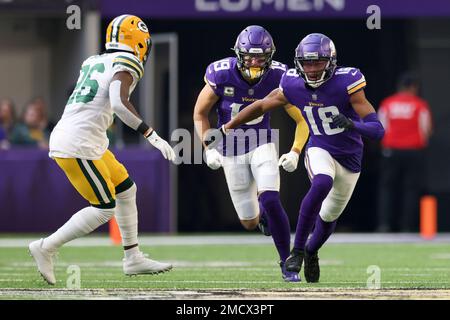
235, 94
320, 104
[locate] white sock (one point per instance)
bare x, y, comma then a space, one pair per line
131, 252
81, 223
127, 216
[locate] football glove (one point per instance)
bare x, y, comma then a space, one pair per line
213, 159
289, 161
342, 121
162, 145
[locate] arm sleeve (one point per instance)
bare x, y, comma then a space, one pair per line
128, 117
370, 127
301, 130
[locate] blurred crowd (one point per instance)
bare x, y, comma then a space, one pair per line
30, 128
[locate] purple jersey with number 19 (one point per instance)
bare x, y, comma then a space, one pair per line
235, 94
320, 104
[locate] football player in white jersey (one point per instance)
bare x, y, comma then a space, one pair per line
79, 145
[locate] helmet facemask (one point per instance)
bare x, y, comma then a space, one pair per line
149, 49
253, 64
325, 74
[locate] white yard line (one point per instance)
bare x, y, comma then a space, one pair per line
235, 265
235, 239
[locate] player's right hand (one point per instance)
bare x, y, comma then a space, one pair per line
341, 121
213, 159
289, 161
162, 145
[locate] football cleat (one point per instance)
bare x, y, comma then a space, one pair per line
263, 225
312, 269
288, 276
295, 260
140, 264
44, 260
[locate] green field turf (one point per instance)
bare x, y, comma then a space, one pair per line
243, 267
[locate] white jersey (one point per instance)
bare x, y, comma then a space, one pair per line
81, 131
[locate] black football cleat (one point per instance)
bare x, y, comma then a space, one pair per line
295, 260
263, 226
312, 269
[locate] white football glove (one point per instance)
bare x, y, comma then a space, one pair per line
162, 145
289, 161
213, 158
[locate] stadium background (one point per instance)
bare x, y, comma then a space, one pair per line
39, 56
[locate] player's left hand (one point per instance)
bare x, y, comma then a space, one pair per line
162, 145
342, 121
289, 161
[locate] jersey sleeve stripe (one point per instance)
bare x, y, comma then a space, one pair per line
358, 87
212, 84
130, 66
136, 62
131, 58
356, 83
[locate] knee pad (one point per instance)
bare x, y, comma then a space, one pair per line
245, 204
239, 179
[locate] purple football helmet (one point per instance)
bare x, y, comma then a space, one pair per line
254, 49
316, 47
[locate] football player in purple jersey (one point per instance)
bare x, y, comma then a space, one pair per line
332, 101
248, 156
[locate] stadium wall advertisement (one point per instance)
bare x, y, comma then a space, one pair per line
37, 197
275, 9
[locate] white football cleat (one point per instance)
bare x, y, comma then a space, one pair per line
140, 264
43, 259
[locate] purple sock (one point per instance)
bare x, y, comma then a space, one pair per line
322, 231
310, 207
278, 222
